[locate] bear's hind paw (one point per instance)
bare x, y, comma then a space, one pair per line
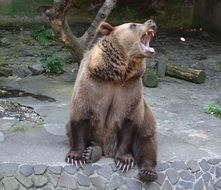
148, 175
125, 162
75, 158
92, 154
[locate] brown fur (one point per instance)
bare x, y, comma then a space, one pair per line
108, 108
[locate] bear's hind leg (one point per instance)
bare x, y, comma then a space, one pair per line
145, 154
124, 159
77, 133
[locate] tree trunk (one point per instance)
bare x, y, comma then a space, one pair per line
62, 32
189, 74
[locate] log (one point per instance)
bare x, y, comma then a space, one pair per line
185, 73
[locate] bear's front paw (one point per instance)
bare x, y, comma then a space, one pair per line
75, 158
147, 174
92, 154
124, 162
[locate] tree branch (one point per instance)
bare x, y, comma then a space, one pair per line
62, 32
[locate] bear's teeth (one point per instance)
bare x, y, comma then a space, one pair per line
146, 33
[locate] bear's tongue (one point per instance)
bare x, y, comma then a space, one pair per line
145, 41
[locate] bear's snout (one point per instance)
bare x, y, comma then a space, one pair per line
151, 24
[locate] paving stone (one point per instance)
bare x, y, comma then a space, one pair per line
198, 174
199, 185
116, 181
214, 161
70, 169
207, 178
204, 165
55, 169
105, 171
132, 173
167, 186
99, 182
210, 187
212, 170
10, 183
39, 180
26, 170
8, 169
179, 165
83, 180
186, 185
180, 188
133, 184
53, 179
217, 185
161, 178
173, 176
193, 166
21, 187
113, 167
186, 176
67, 181
152, 186
218, 172
39, 169
2, 137
48, 187
162, 166
27, 182
89, 169
124, 187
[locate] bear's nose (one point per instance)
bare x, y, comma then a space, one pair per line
151, 23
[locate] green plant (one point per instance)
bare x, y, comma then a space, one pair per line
53, 65
42, 34
19, 129
214, 110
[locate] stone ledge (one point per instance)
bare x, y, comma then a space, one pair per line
177, 175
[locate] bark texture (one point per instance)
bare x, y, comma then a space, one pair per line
63, 34
189, 74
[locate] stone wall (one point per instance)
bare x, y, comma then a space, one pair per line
207, 14
178, 175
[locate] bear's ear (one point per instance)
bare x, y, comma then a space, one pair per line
105, 28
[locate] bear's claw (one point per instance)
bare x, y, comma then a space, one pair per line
148, 175
74, 158
125, 162
92, 154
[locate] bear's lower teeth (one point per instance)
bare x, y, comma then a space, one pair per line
146, 48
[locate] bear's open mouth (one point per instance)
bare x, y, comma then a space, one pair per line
145, 41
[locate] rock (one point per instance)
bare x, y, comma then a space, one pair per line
2, 137
204, 165
105, 171
150, 80
8, 169
214, 161
5, 72
186, 185
218, 172
217, 185
179, 165
10, 183
39, 169
180, 188
27, 182
198, 174
212, 170
36, 69
162, 166
2, 186
133, 184
167, 186
99, 182
186, 176
21, 72
173, 176
199, 185
1, 176
71, 169
39, 180
207, 178
152, 186
116, 181
26, 170
55, 169
5, 42
67, 181
88, 169
53, 179
193, 166
83, 180
161, 178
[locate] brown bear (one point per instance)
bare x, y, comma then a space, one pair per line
108, 108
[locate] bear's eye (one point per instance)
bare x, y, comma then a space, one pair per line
132, 26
